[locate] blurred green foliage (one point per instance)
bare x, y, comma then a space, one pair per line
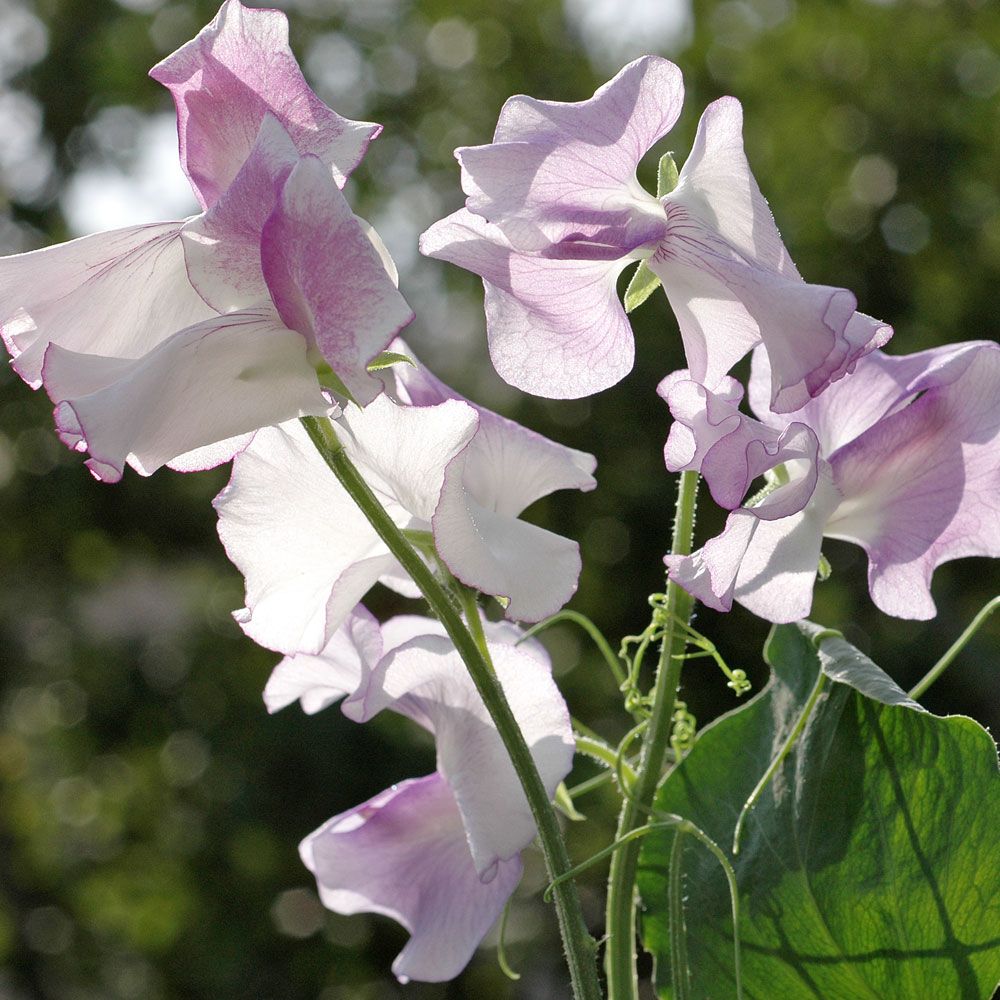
149, 808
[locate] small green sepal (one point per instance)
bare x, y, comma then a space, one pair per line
666, 175
642, 285
387, 359
564, 803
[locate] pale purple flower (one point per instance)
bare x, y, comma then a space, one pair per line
554, 213
901, 458
438, 464
439, 854
171, 343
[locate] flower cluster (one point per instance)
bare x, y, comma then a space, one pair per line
195, 342
899, 455
902, 458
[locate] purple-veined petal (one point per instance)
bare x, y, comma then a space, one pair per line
709, 574
327, 279
725, 305
318, 680
767, 565
298, 539
226, 376
922, 486
880, 385
225, 80
717, 188
778, 570
566, 171
403, 854
555, 327
426, 680
115, 294
222, 246
732, 283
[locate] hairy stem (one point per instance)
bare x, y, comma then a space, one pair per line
619, 960
579, 945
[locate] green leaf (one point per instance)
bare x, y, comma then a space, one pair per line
642, 285
870, 864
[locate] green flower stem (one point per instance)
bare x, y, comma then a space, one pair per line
619, 959
579, 945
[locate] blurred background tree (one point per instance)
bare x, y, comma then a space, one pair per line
149, 808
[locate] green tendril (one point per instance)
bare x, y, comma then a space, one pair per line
501, 950
957, 646
591, 629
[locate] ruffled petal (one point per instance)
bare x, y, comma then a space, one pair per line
426, 680
565, 172
327, 279
401, 629
778, 571
225, 80
731, 450
403, 854
555, 327
307, 553
709, 574
206, 384
116, 294
768, 566
507, 467
922, 486
880, 385
725, 305
319, 680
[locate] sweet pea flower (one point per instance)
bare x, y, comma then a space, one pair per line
901, 458
554, 213
170, 343
439, 854
438, 464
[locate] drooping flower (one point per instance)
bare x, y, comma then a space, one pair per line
439, 464
554, 213
901, 458
170, 343
439, 854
